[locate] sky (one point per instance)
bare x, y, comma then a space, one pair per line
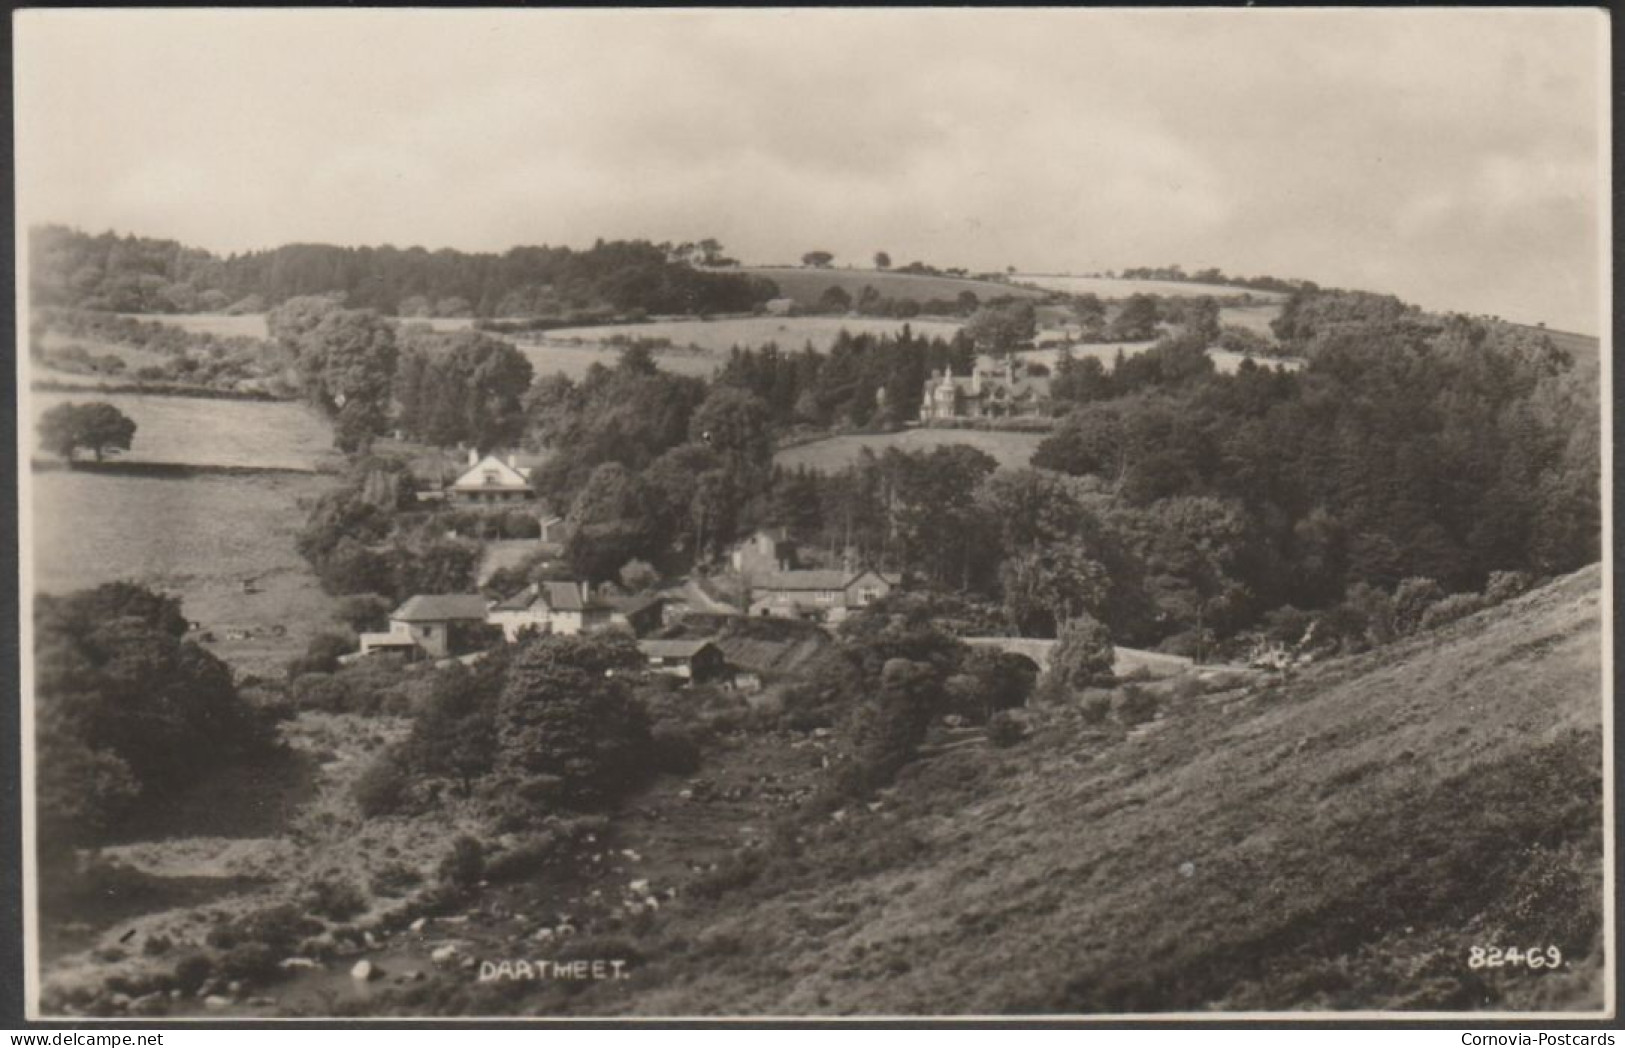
1454, 157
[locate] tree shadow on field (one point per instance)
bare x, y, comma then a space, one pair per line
252, 799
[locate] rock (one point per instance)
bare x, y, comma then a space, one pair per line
468, 962
119, 1000
214, 1000
544, 935
174, 995
365, 971
640, 887
368, 937
234, 988
443, 954
419, 924
290, 963
415, 975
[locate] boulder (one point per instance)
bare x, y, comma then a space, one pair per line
419, 924
443, 954
365, 971
214, 1000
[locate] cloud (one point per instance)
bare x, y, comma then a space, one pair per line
1453, 157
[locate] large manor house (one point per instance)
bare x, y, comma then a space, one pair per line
997, 387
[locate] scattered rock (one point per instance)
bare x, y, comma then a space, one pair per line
419, 924
290, 963
543, 934
640, 887
1187, 869
365, 971
443, 954
119, 1000
415, 975
468, 962
214, 1000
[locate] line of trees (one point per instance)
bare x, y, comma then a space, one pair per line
141, 275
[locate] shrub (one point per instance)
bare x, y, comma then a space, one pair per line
192, 970
249, 960
320, 691
1412, 599
526, 857
382, 789
1456, 606
1083, 652
464, 865
321, 654
394, 879
1095, 705
674, 749
1132, 704
520, 525
1504, 585
334, 899
362, 612
1003, 729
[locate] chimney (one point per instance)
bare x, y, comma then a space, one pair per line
473, 456
513, 461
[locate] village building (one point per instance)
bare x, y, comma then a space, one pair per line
491, 480
435, 626
821, 595
566, 608
693, 661
995, 389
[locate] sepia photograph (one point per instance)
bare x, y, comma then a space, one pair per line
1034, 514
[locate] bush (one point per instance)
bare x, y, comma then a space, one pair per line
1456, 606
520, 525
1504, 585
1132, 705
1095, 705
334, 899
394, 880
675, 749
191, 971
249, 960
464, 865
1083, 652
362, 612
523, 859
382, 789
1003, 729
322, 654
320, 691
1412, 599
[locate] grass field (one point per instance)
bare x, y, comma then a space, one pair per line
198, 538
1116, 287
252, 325
1013, 450
1340, 841
201, 431
807, 285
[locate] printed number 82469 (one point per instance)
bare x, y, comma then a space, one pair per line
1495, 957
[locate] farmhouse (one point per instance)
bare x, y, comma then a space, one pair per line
695, 661
491, 480
994, 389
437, 626
552, 607
826, 596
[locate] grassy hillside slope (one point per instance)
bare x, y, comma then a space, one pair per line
1339, 841
806, 285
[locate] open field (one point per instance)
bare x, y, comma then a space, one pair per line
1013, 450
201, 431
252, 325
806, 285
199, 538
1254, 318
1224, 361
1116, 287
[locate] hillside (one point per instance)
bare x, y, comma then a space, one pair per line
806, 285
1339, 842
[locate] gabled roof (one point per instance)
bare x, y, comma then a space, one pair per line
674, 649
441, 607
563, 596
634, 603
505, 477
520, 601
817, 579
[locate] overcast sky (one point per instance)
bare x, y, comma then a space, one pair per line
1452, 157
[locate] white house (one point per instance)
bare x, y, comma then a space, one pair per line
825, 595
491, 480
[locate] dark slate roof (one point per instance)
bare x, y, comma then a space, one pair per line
520, 601
564, 596
674, 649
441, 607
